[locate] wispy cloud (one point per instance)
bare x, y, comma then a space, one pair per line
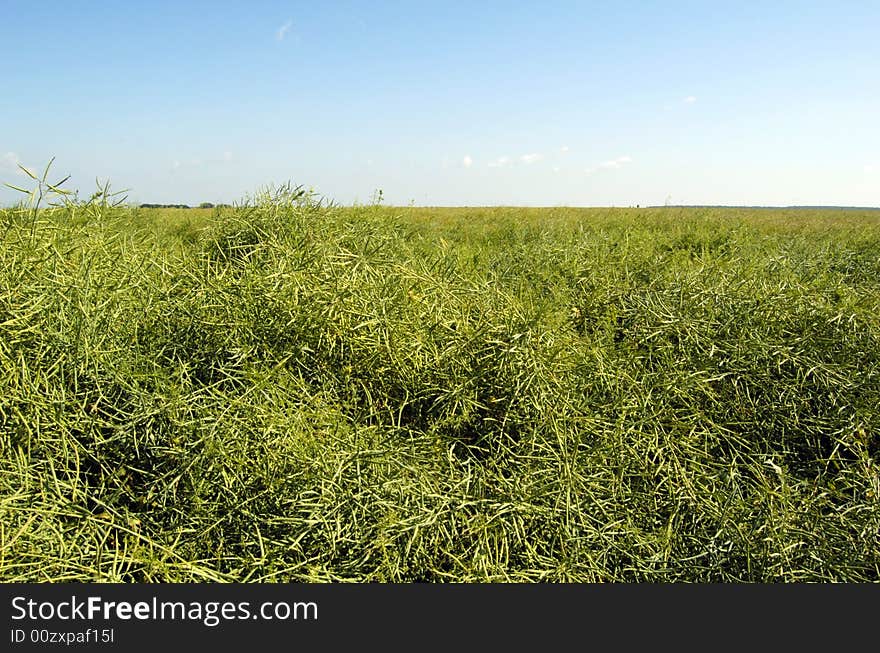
177, 164
563, 149
225, 157
467, 161
690, 99
525, 159
531, 158
611, 164
9, 162
871, 169
282, 31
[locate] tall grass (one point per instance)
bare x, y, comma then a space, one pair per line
293, 391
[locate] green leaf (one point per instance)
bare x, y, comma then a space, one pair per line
46, 171
28, 172
20, 190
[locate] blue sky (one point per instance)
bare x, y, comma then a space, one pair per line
445, 103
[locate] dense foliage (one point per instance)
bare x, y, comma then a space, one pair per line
285, 391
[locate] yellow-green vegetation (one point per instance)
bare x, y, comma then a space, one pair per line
289, 391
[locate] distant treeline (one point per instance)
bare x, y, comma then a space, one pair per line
203, 205
796, 206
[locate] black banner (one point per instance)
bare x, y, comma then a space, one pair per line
169, 617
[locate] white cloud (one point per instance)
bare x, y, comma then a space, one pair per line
283, 30
9, 162
525, 159
611, 164
556, 168
871, 169
563, 149
225, 157
467, 161
690, 99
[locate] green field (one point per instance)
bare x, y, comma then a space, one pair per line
286, 391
